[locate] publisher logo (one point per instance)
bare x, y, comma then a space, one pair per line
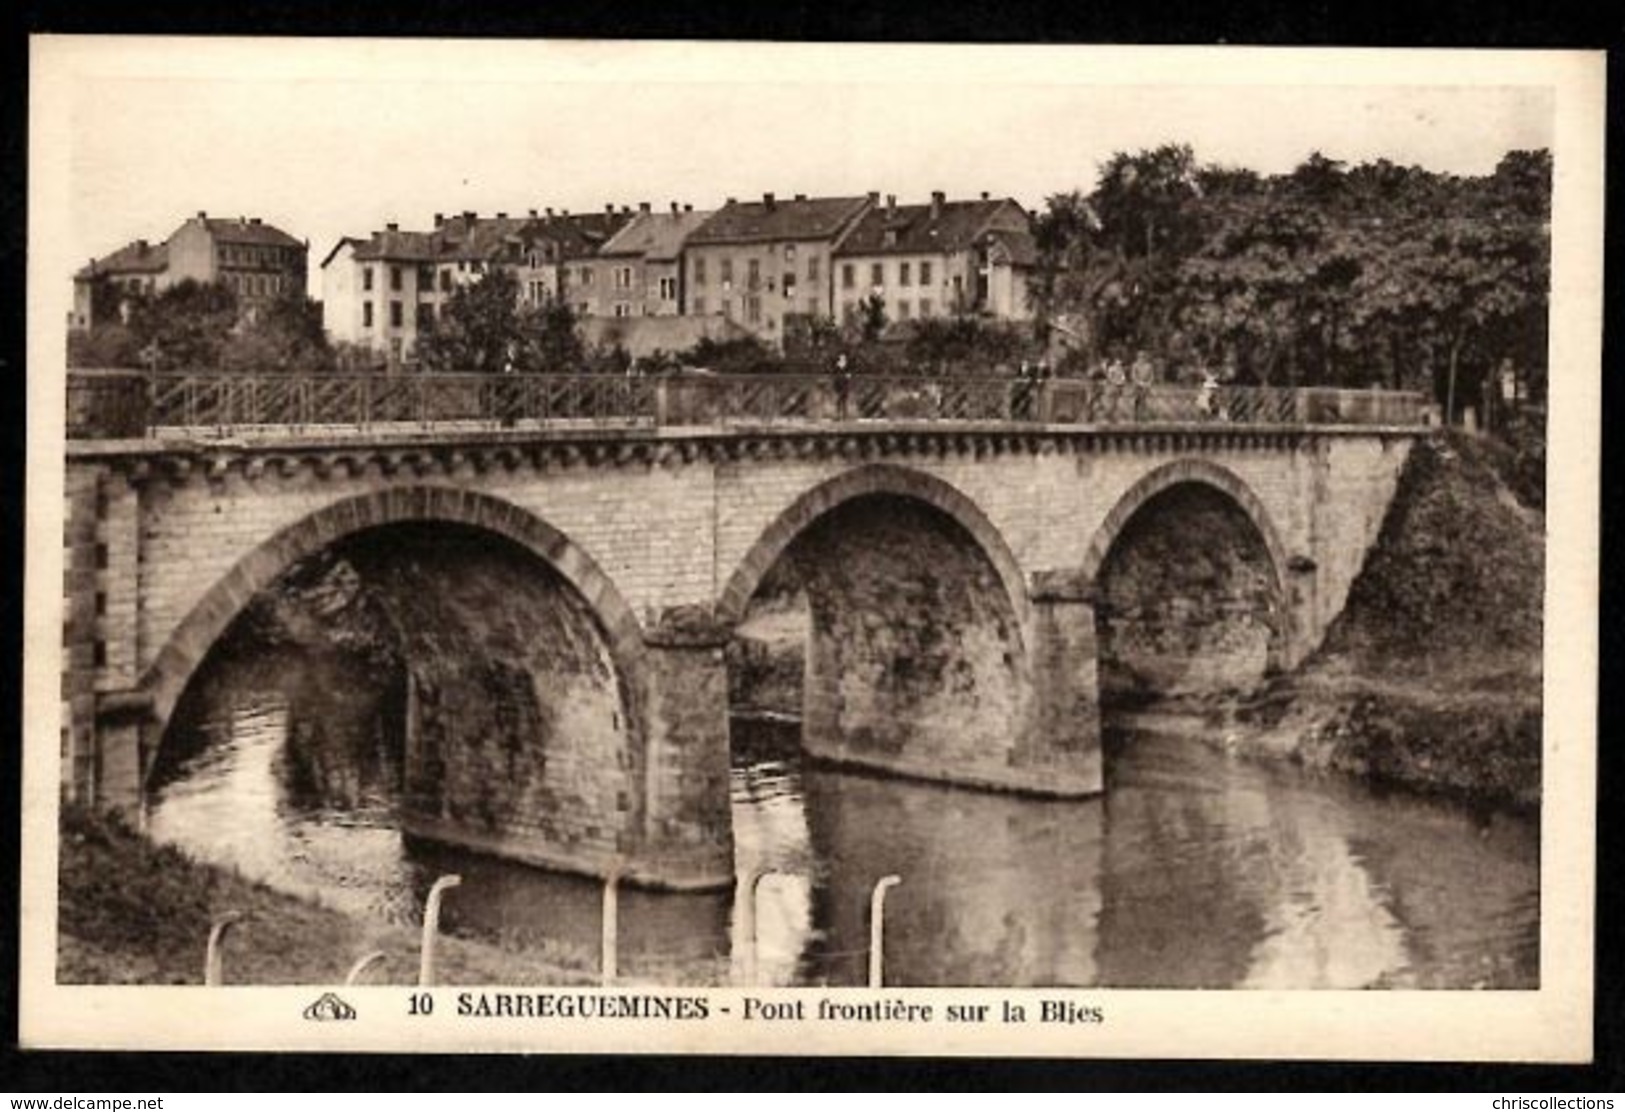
327, 1007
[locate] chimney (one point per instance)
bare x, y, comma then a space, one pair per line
874, 196
439, 219
550, 212
533, 214
767, 201
984, 194
392, 227
688, 208
502, 216
801, 196
643, 206
254, 220
674, 209
565, 213
140, 247
242, 221
731, 201
626, 210
938, 199
891, 202
469, 215
202, 216
609, 208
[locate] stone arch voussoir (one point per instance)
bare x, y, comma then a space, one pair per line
166, 679
876, 478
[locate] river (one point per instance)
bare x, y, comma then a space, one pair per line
1195, 869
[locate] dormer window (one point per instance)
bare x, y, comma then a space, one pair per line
891, 237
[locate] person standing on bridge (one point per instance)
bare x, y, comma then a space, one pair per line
843, 385
1116, 383
1143, 375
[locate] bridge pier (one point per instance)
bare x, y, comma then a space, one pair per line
688, 821
1062, 749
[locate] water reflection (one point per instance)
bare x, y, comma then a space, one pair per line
1195, 869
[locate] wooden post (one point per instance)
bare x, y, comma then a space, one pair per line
877, 930
366, 962
213, 958
431, 927
610, 938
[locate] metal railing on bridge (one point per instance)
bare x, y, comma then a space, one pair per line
116, 404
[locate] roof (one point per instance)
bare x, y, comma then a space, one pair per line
398, 246
575, 237
138, 257
657, 236
1018, 248
251, 230
922, 229
757, 221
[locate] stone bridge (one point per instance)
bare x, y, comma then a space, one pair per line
952, 571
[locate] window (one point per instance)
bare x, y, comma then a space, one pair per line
728, 308
789, 287
753, 309
395, 314
699, 270
445, 281
925, 306
902, 309
425, 314
727, 274
904, 277
699, 306
623, 309
623, 277
395, 278
812, 268
789, 252
925, 278
754, 274
586, 276
366, 278
366, 314
425, 277
848, 276
877, 275
668, 289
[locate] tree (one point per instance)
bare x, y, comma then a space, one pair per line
872, 318
185, 326
477, 330
287, 337
548, 340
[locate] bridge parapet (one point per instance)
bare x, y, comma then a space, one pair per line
114, 405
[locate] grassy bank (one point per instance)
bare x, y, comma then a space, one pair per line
132, 912
1431, 677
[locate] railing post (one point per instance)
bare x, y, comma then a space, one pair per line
877, 930
662, 402
431, 927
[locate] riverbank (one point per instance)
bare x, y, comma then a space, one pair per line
1431, 676
132, 912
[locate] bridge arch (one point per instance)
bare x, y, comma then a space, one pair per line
172, 669
1194, 606
1199, 471
871, 479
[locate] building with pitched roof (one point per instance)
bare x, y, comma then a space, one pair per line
258, 261
639, 272
945, 258
383, 291
758, 263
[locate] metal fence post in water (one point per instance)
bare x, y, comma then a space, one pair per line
609, 938
431, 927
213, 958
877, 930
366, 962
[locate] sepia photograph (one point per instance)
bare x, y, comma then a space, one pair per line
863, 549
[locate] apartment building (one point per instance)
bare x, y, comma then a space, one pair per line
382, 292
258, 261
758, 263
945, 258
639, 272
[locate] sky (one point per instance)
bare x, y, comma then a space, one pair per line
325, 138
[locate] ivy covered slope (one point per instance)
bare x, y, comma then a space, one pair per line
1431, 677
